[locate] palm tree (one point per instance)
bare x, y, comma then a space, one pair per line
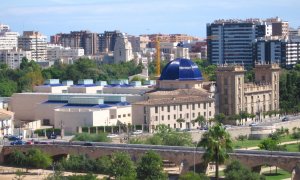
217, 144
200, 120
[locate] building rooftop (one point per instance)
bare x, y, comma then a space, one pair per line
4, 115
173, 100
180, 92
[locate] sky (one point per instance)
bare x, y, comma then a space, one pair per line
138, 16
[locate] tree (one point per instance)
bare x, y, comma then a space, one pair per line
7, 88
193, 176
236, 171
150, 166
38, 159
200, 120
103, 164
217, 144
220, 118
122, 167
16, 158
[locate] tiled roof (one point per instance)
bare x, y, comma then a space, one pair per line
180, 92
175, 100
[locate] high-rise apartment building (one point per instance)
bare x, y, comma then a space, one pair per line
274, 50
138, 43
13, 58
64, 54
107, 40
8, 39
35, 42
78, 39
230, 41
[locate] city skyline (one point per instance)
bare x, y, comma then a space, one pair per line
136, 17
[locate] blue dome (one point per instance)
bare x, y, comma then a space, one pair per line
181, 69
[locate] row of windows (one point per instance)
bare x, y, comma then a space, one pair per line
180, 107
119, 116
187, 115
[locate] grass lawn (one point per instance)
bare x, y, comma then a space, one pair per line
281, 174
292, 147
251, 143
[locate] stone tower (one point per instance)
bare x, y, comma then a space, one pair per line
269, 73
122, 49
230, 88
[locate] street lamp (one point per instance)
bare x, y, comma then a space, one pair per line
195, 149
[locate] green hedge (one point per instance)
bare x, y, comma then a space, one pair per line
41, 132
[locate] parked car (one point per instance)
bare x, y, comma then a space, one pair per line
29, 143
52, 136
18, 142
285, 119
14, 138
137, 132
112, 135
253, 124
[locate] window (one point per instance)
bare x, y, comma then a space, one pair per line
112, 116
193, 115
168, 117
193, 106
187, 115
156, 109
209, 113
162, 118
128, 115
180, 116
204, 105
144, 110
180, 107
174, 107
198, 105
119, 116
174, 126
204, 114
174, 116
162, 108
124, 115
46, 122
156, 118
210, 104
187, 106
199, 114
168, 108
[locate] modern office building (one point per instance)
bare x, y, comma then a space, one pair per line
107, 40
236, 96
36, 43
274, 50
78, 39
13, 58
230, 41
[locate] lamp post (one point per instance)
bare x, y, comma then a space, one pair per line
195, 150
61, 129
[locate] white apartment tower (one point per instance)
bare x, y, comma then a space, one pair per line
35, 42
8, 39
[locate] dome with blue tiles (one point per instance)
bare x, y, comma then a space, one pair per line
182, 70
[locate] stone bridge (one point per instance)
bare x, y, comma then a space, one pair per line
187, 157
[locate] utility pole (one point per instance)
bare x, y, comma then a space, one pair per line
61, 129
